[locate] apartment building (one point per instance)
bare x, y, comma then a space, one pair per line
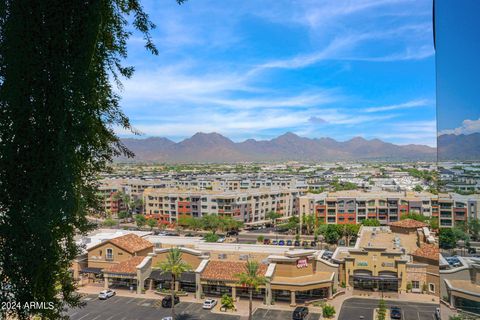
251, 205
456, 208
355, 206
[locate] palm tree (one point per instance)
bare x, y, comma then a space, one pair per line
251, 279
175, 266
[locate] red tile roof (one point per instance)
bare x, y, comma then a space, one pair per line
127, 266
429, 251
227, 270
408, 224
131, 243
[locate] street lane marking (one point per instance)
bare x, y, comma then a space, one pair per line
84, 316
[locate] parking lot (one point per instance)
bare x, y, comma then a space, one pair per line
126, 308
356, 308
266, 314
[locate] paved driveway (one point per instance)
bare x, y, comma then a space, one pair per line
126, 308
357, 308
266, 314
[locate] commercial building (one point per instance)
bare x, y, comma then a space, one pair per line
385, 260
355, 206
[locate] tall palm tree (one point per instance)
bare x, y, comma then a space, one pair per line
175, 266
251, 279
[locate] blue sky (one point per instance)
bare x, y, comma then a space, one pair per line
257, 69
458, 69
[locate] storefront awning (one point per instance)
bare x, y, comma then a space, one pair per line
184, 277
384, 278
91, 270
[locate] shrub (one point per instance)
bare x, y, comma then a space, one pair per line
109, 222
382, 310
260, 238
227, 302
328, 311
211, 237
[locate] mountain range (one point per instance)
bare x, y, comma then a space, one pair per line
459, 147
215, 148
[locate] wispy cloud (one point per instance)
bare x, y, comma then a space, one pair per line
405, 105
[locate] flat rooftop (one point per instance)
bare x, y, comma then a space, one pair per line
383, 237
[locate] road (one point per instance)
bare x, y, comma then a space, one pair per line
358, 308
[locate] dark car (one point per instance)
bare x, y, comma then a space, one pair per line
281, 243
189, 235
167, 301
395, 313
232, 233
266, 241
274, 242
313, 244
296, 243
289, 242
300, 313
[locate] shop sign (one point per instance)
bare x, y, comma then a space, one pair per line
302, 263
388, 264
362, 263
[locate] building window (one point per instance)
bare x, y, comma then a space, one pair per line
415, 285
109, 254
431, 287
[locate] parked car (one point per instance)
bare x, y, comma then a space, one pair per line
297, 243
189, 235
274, 242
313, 244
209, 304
300, 313
289, 242
437, 314
266, 241
105, 294
167, 301
305, 244
281, 243
167, 318
220, 240
232, 233
395, 313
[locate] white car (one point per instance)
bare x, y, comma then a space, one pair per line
209, 304
105, 294
167, 318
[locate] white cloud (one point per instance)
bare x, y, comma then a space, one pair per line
405, 105
468, 127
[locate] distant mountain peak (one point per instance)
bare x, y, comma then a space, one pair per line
214, 147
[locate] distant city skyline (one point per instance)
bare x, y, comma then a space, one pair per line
250, 70
458, 49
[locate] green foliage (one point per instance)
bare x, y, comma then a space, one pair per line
418, 188
341, 186
211, 222
122, 215
414, 216
382, 310
109, 222
227, 302
140, 220
474, 229
260, 239
371, 223
59, 112
211, 237
328, 311
447, 239
152, 223
409, 286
